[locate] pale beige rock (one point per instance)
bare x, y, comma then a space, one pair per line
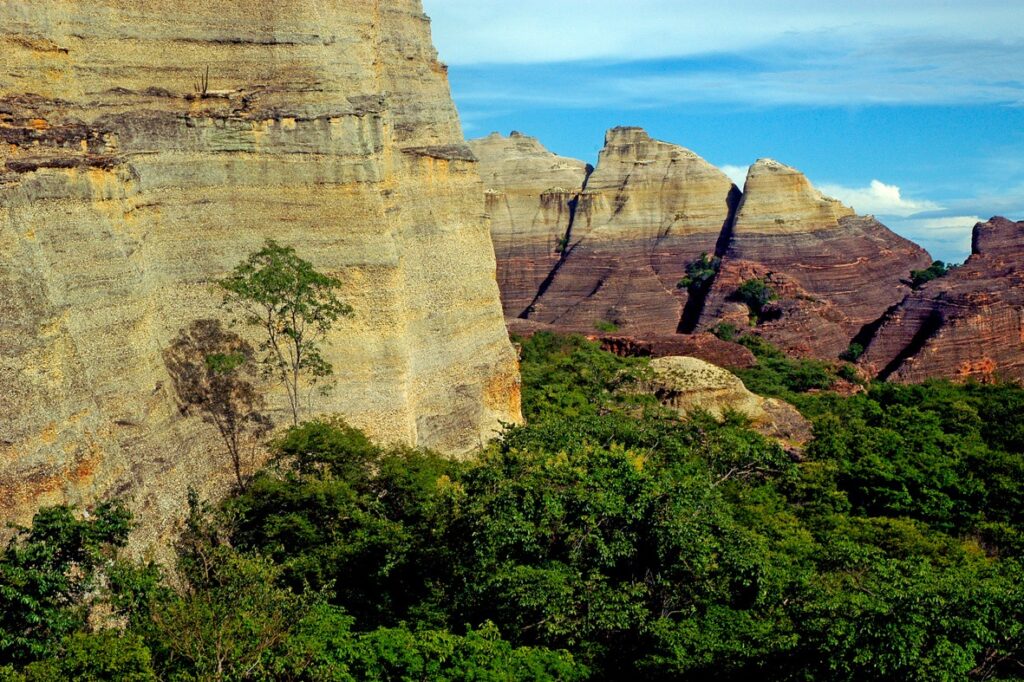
687, 384
648, 210
778, 199
530, 199
124, 195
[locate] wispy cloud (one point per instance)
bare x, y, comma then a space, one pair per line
805, 69
537, 31
946, 238
738, 174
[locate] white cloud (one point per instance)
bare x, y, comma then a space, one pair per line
946, 238
878, 199
738, 174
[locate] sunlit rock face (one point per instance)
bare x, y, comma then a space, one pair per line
130, 181
530, 198
834, 272
624, 236
968, 324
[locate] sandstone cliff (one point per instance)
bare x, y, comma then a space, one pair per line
834, 272
647, 210
968, 324
531, 198
127, 186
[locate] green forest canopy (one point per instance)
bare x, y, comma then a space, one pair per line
605, 539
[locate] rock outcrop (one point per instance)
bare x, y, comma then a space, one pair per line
531, 198
967, 324
686, 384
129, 181
609, 256
648, 209
834, 272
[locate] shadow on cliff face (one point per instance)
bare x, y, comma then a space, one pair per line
694, 307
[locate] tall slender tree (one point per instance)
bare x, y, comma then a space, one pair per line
294, 306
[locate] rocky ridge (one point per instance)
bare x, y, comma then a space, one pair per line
650, 209
149, 146
968, 324
834, 272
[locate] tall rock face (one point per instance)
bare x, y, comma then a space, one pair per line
128, 185
531, 198
624, 237
834, 272
968, 324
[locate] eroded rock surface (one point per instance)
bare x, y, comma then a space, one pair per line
834, 272
531, 198
127, 186
686, 384
648, 209
967, 324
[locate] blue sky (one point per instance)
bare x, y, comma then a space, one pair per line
909, 109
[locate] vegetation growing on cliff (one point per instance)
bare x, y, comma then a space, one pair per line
607, 539
918, 278
293, 306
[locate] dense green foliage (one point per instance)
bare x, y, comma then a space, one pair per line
779, 375
918, 278
756, 294
606, 540
700, 273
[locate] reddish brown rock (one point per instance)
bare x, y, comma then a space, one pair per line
706, 347
968, 324
648, 210
530, 198
834, 272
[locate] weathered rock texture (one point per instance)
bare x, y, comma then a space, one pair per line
686, 384
834, 272
125, 191
531, 196
648, 209
968, 324
609, 255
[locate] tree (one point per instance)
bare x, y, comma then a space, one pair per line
700, 273
294, 306
50, 572
918, 278
211, 368
757, 294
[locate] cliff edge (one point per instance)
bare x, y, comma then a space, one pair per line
146, 148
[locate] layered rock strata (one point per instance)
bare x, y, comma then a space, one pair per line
130, 180
531, 197
833, 272
648, 209
967, 324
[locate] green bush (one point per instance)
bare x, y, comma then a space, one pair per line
756, 294
852, 353
700, 273
918, 278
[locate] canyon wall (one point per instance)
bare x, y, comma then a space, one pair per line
128, 186
624, 235
968, 324
616, 250
834, 272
